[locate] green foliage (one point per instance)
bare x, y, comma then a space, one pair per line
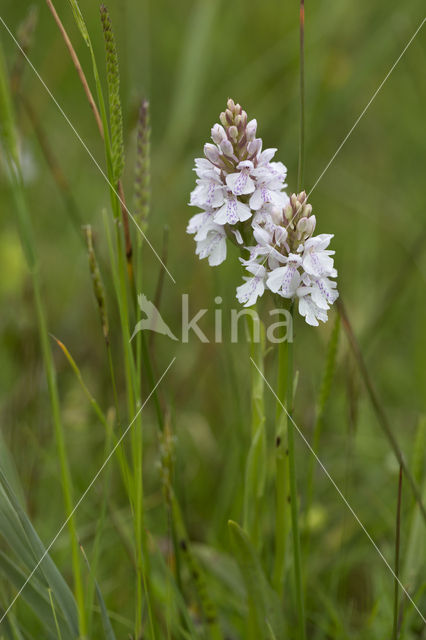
265, 611
78, 17
17, 530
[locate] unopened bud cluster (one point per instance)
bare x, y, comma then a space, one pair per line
241, 194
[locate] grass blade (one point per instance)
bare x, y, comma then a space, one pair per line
35, 551
264, 605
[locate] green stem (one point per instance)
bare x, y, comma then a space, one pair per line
301, 167
321, 405
282, 516
397, 549
293, 497
255, 473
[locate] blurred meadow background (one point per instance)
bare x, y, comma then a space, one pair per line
187, 58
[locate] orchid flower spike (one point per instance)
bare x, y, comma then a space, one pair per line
241, 192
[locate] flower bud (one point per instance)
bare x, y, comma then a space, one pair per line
238, 109
211, 152
254, 147
238, 120
218, 133
280, 235
243, 141
233, 133
251, 130
301, 227
229, 117
307, 210
231, 105
288, 210
223, 119
227, 148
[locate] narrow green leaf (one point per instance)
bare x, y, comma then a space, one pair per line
106, 622
78, 17
35, 551
33, 594
264, 604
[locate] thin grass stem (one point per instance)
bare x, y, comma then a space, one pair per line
293, 495
397, 553
301, 166
282, 515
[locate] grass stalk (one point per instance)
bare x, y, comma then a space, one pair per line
78, 67
301, 165
282, 514
293, 495
321, 404
255, 473
397, 553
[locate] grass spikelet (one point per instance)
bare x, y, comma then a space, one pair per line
142, 167
113, 81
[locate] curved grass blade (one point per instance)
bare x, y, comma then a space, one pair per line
34, 596
34, 550
106, 622
264, 605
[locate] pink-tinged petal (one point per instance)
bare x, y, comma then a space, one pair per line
227, 214
324, 292
240, 183
213, 246
197, 222
249, 292
218, 253
256, 201
307, 312
251, 129
261, 235
194, 223
276, 278
266, 156
317, 263
319, 242
218, 133
243, 211
291, 281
